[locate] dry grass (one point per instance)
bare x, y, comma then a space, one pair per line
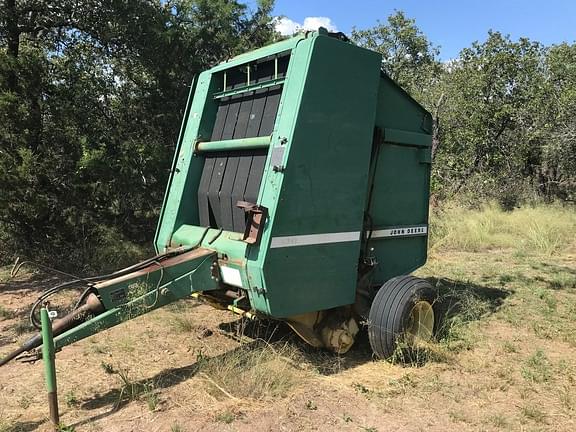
262, 372
6, 313
4, 424
544, 230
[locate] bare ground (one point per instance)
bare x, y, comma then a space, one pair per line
510, 364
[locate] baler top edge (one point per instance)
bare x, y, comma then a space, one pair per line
408, 96
265, 51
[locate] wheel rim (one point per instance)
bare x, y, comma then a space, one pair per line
420, 322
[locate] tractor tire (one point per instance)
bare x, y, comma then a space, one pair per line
402, 312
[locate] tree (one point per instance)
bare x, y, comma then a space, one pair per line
408, 57
92, 93
411, 60
503, 110
557, 176
492, 128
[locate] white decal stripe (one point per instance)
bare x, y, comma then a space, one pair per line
406, 231
314, 239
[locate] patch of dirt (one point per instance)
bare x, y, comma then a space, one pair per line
509, 375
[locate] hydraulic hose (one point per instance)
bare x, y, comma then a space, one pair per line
93, 306
88, 303
93, 279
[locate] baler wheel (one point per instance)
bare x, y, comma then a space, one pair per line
402, 312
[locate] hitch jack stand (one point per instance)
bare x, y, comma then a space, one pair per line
49, 358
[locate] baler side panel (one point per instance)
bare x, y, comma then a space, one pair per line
318, 200
399, 208
181, 205
272, 181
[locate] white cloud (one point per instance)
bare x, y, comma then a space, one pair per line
287, 27
312, 23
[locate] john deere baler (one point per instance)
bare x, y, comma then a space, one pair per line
299, 192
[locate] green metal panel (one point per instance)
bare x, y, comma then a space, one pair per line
310, 252
186, 172
179, 206
160, 238
401, 186
414, 139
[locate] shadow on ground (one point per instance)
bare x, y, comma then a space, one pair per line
464, 301
25, 426
37, 281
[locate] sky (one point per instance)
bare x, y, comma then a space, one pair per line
450, 24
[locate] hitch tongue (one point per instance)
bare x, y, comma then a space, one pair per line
92, 306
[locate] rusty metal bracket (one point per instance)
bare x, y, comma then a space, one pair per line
256, 218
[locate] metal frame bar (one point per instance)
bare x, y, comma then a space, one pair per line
234, 144
248, 88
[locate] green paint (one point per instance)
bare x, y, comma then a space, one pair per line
48, 352
401, 189
329, 129
139, 295
411, 139
333, 97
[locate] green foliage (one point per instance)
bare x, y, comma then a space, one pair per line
537, 368
91, 98
408, 57
504, 111
492, 127
176, 428
6, 314
225, 417
71, 399
92, 94
534, 413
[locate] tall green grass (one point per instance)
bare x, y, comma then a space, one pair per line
544, 229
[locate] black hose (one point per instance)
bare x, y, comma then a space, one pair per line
29, 345
90, 280
48, 293
216, 236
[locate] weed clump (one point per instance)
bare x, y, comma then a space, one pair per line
259, 373
537, 368
225, 417
132, 390
534, 413
6, 314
